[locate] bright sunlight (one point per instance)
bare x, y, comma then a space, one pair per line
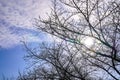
88, 42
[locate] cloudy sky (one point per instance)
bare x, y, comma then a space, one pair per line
16, 25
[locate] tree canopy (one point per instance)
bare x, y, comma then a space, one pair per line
90, 42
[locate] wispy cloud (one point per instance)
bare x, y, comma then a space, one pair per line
22, 12
16, 18
10, 38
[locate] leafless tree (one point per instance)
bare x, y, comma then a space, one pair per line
59, 61
76, 20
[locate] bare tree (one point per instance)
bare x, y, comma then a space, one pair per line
59, 62
77, 20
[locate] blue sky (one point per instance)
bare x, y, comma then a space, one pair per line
11, 61
16, 25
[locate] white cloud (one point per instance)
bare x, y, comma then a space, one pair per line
9, 39
20, 13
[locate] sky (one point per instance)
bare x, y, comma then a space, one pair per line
16, 25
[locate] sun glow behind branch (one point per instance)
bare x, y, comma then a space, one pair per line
88, 42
